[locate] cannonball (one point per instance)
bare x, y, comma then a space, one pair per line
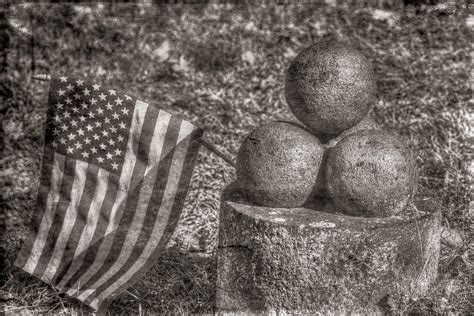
371, 173
330, 87
278, 164
330, 141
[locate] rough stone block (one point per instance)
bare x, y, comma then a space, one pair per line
308, 261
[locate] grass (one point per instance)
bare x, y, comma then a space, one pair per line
223, 67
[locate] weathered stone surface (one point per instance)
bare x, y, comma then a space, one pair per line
371, 173
310, 261
330, 86
278, 164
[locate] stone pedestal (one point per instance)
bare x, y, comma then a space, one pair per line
308, 261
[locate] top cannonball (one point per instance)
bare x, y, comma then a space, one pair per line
330, 87
278, 164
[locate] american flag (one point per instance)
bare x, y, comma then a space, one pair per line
114, 177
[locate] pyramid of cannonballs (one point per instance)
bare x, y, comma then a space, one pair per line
338, 153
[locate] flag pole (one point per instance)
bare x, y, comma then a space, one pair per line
207, 145
216, 151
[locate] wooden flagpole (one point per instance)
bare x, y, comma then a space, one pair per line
207, 145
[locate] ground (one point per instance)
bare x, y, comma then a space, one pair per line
223, 68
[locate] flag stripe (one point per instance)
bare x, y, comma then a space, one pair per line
88, 231
59, 215
48, 182
139, 233
172, 222
120, 199
77, 189
51, 202
99, 231
76, 220
132, 200
160, 224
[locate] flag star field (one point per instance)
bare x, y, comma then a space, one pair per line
90, 123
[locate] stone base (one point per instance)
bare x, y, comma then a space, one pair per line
307, 261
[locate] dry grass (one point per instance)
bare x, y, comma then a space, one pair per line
223, 67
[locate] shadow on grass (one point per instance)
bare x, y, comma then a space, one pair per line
176, 284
